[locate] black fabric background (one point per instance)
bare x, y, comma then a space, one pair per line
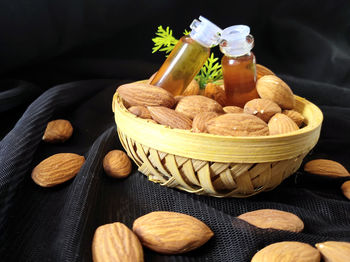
64, 59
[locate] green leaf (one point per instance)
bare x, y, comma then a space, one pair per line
164, 40
210, 72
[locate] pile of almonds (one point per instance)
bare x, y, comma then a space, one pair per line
161, 231
175, 233
205, 111
62, 167
332, 251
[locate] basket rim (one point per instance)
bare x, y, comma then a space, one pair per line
313, 126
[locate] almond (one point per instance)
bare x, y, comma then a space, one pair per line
58, 131
233, 109
346, 189
262, 71
171, 232
295, 116
198, 125
142, 94
326, 167
272, 218
178, 98
190, 106
57, 169
215, 92
281, 124
334, 251
191, 89
117, 164
140, 111
116, 242
239, 124
273, 88
287, 251
262, 108
170, 117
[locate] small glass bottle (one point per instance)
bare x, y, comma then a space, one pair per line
238, 65
187, 57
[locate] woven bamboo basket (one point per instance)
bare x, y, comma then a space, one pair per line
220, 166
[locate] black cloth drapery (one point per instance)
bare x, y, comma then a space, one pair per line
60, 59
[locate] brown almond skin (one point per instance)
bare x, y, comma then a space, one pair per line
57, 169
190, 106
281, 124
58, 131
233, 109
116, 243
178, 98
171, 232
262, 108
198, 124
191, 89
140, 111
116, 163
262, 71
215, 92
295, 116
325, 167
239, 124
275, 89
272, 218
169, 117
143, 94
346, 189
334, 251
287, 251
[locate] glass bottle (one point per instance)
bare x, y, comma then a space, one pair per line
238, 65
187, 57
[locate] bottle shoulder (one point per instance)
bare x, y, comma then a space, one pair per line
187, 40
230, 60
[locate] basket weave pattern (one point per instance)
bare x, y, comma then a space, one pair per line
228, 167
208, 178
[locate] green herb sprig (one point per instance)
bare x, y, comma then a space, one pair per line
165, 42
210, 72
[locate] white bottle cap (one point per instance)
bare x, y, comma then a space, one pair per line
236, 40
205, 32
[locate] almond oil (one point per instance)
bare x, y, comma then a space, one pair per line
181, 66
238, 65
187, 57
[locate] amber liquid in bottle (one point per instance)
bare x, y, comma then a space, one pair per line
181, 66
239, 79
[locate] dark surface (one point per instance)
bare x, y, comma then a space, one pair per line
49, 53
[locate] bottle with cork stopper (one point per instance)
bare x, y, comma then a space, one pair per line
238, 65
187, 57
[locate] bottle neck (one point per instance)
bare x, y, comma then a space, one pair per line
239, 56
200, 41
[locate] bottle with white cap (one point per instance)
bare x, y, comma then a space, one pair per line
238, 65
188, 56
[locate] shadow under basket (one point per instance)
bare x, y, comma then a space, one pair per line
220, 166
